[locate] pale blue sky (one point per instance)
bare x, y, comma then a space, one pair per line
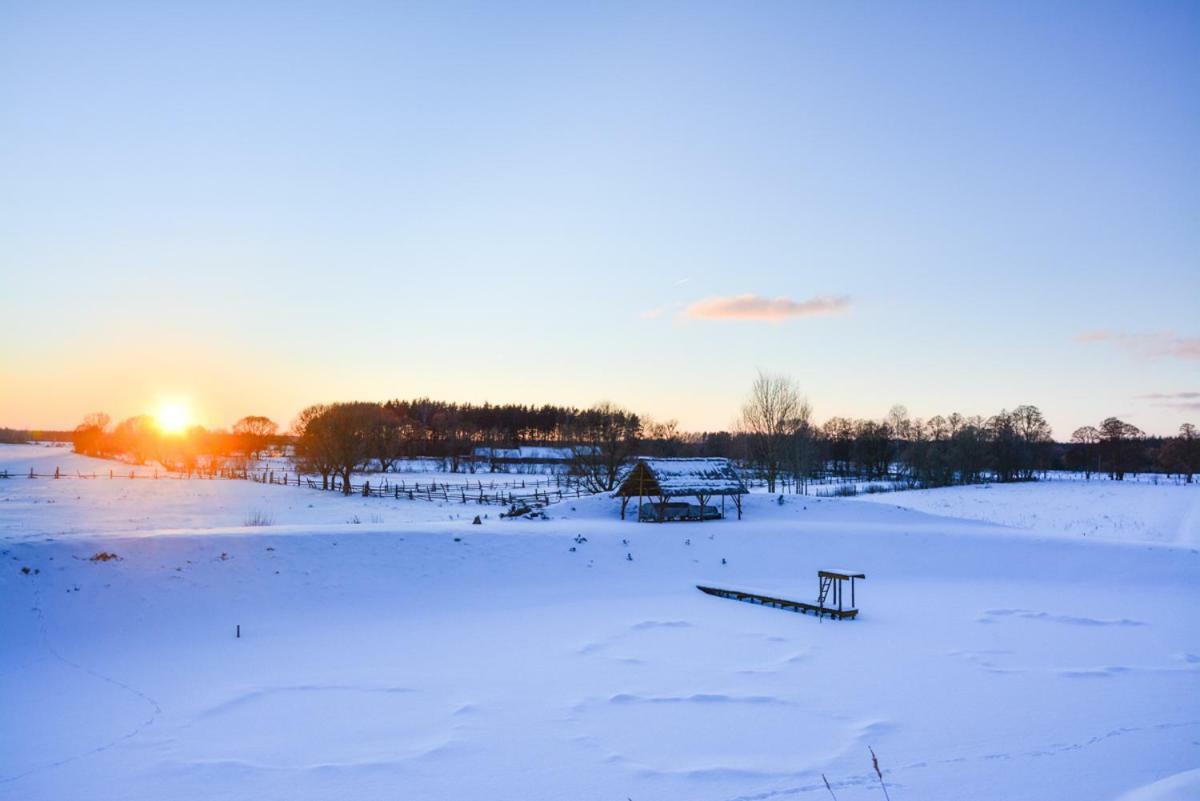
255, 206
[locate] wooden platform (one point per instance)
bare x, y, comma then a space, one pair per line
780, 603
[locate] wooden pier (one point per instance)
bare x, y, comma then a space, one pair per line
830, 587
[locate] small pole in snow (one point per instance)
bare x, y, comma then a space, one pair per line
239, 631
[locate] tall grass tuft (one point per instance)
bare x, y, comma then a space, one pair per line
878, 772
257, 518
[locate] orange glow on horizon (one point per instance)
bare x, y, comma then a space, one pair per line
173, 418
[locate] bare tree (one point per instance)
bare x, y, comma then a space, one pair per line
804, 453
314, 448
1120, 446
136, 437
1084, 452
772, 414
391, 436
254, 433
1181, 454
1034, 435
90, 435
606, 437
898, 422
663, 438
351, 429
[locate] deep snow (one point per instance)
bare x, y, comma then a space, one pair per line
423, 657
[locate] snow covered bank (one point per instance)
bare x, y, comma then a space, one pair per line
427, 658
1126, 511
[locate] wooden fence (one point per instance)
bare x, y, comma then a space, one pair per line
434, 491
503, 493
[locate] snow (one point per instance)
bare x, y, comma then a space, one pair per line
1126, 511
1179, 787
682, 476
427, 658
532, 453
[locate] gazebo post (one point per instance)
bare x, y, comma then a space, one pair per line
641, 468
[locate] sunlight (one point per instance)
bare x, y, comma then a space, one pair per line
173, 418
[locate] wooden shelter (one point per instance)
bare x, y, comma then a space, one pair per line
661, 480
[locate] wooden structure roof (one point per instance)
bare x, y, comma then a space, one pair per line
840, 573
672, 478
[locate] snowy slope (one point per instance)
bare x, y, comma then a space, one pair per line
99, 507
1128, 511
426, 658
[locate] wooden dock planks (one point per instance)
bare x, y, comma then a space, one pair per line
779, 603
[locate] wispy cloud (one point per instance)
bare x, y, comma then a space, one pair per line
650, 314
1188, 401
1170, 396
1158, 345
756, 307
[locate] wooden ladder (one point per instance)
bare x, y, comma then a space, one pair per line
825, 584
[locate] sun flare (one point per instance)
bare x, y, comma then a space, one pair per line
173, 418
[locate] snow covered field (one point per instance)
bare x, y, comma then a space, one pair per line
1126, 511
421, 657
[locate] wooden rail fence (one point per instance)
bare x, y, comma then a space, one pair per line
505, 493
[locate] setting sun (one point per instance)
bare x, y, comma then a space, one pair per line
173, 418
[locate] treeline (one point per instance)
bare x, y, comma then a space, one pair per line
340, 439
443, 424
14, 436
781, 442
1115, 448
776, 438
139, 439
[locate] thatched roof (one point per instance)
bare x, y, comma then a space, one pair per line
678, 477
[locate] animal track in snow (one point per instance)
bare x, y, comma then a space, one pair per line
683, 643
350, 724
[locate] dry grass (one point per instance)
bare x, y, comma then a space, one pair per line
827, 787
257, 519
878, 772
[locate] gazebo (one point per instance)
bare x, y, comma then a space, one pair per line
663, 479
